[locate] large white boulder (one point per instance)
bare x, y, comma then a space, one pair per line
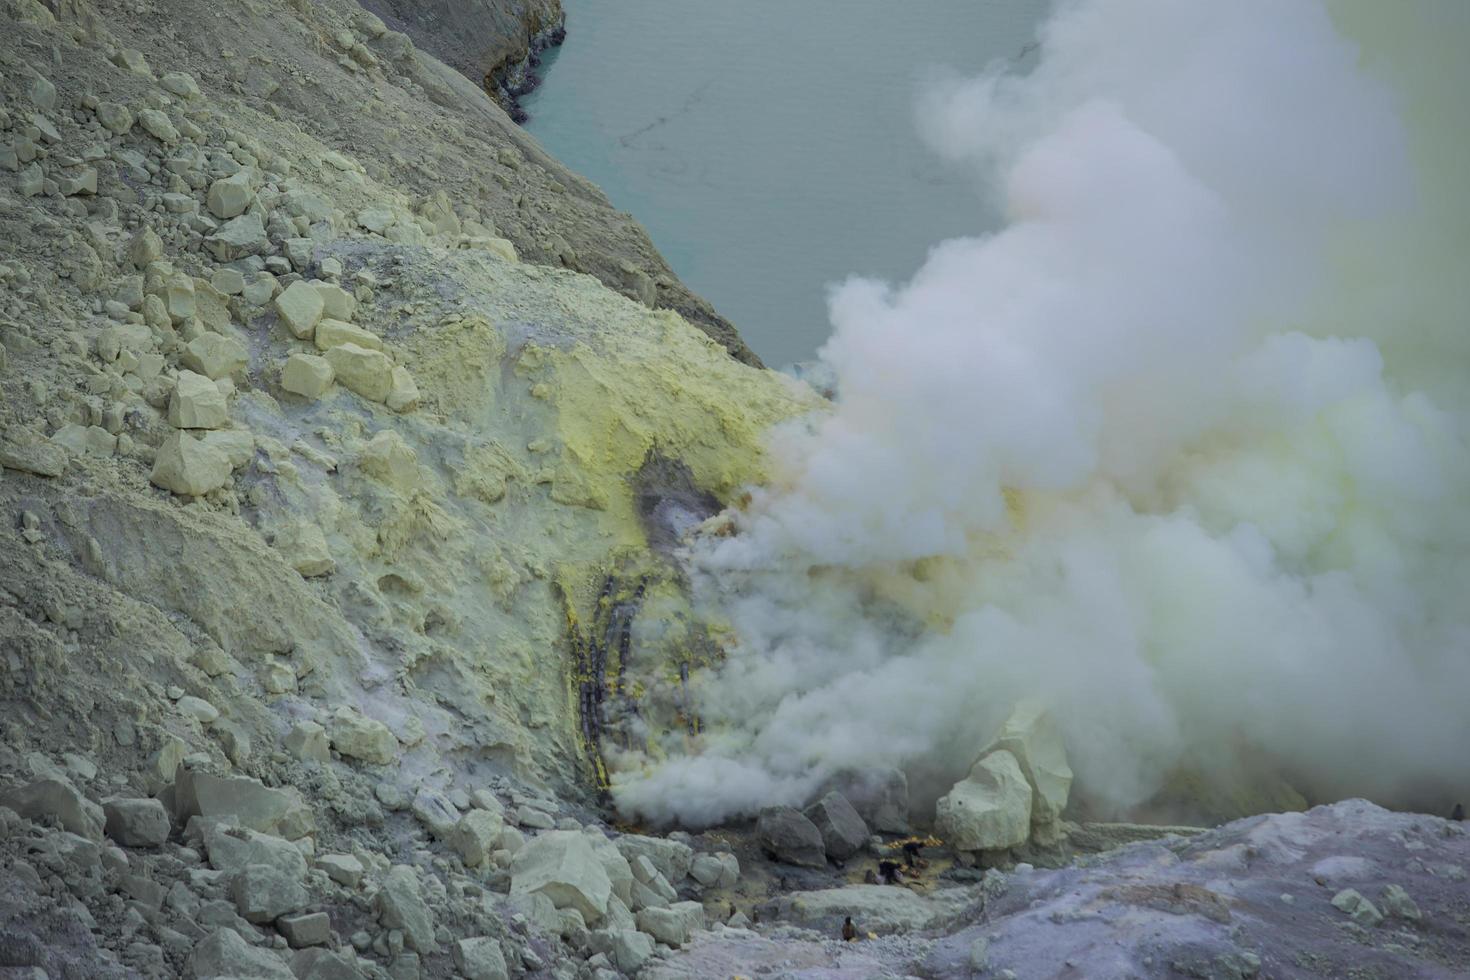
990, 809
563, 866
1030, 734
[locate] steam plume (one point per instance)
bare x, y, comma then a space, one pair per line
1167, 451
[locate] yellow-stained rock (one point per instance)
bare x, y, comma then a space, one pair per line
369, 373
187, 466
197, 403
392, 460
215, 356
300, 308
304, 547
338, 303
238, 445
403, 396
307, 375
334, 333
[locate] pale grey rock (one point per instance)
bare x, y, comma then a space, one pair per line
1396, 902
57, 799
225, 955
344, 869
672, 926
563, 866
244, 801
263, 893
480, 958
136, 822
306, 929
357, 736
231, 849
475, 836
1362, 911
435, 812
400, 905
308, 742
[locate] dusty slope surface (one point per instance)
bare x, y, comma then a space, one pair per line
1267, 896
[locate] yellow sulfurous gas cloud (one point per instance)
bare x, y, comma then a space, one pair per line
1180, 450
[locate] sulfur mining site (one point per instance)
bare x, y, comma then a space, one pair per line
407, 572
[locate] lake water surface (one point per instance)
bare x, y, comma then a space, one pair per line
769, 146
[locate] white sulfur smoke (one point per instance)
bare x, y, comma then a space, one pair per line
1166, 451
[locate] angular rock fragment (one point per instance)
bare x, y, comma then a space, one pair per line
356, 736
215, 356
239, 237
1030, 734
403, 392
224, 954
475, 836
304, 546
368, 373
41, 459
344, 869
136, 822
185, 465
843, 831
231, 196
247, 802
401, 905
300, 308
1362, 911
232, 849
787, 835
262, 893
674, 925
307, 375
56, 798
338, 303
480, 958
307, 741
334, 333
988, 810
562, 865
306, 929
158, 125
197, 403
118, 119
435, 812
879, 795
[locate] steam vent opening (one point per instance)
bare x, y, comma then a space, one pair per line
568, 490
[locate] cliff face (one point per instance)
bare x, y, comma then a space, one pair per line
479, 38
321, 459
301, 403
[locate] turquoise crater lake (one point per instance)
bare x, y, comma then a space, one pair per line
769, 146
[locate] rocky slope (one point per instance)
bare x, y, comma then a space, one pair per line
339, 500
